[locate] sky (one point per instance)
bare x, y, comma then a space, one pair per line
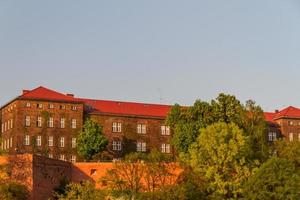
158, 51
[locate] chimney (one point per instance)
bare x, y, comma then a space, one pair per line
70, 95
276, 111
25, 92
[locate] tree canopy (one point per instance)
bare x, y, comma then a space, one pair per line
91, 140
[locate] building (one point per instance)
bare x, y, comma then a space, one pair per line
45, 122
284, 123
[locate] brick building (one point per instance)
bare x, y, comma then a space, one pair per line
45, 122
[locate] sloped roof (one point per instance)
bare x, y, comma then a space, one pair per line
127, 108
290, 111
46, 94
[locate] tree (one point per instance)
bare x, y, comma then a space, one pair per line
276, 179
91, 140
83, 191
186, 123
289, 150
218, 155
13, 191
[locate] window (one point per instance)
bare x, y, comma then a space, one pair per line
11, 123
51, 122
117, 145
141, 146
74, 123
117, 127
39, 140
27, 121
5, 126
51, 106
73, 158
272, 136
11, 142
290, 123
27, 140
62, 142
4, 144
74, 108
73, 143
50, 155
165, 130
8, 124
62, 157
291, 136
165, 148
2, 128
62, 107
39, 105
28, 105
39, 121
141, 128
50, 141
7, 143
62, 122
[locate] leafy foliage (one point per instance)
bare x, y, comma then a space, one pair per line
219, 155
84, 191
276, 179
13, 191
91, 140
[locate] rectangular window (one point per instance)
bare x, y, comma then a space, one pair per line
39, 121
62, 107
73, 142
11, 142
73, 158
272, 136
117, 145
141, 146
11, 123
74, 108
165, 130
27, 140
51, 106
50, 155
28, 104
290, 123
39, 141
62, 142
50, 122
165, 148
8, 125
2, 128
62, 157
27, 120
50, 141
39, 105
74, 124
62, 122
291, 136
4, 144
5, 126
117, 127
141, 128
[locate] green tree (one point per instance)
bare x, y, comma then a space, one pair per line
84, 191
219, 156
13, 191
91, 140
276, 179
186, 123
289, 150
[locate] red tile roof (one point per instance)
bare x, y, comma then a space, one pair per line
289, 112
128, 108
269, 116
46, 94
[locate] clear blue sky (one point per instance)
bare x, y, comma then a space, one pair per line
153, 51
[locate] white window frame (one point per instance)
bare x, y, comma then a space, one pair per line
62, 122
165, 130
50, 141
51, 106
62, 157
50, 155
291, 136
141, 146
39, 140
51, 122
28, 105
73, 158
39, 121
272, 136
74, 142
27, 120
27, 140
62, 142
117, 145
141, 128
74, 124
